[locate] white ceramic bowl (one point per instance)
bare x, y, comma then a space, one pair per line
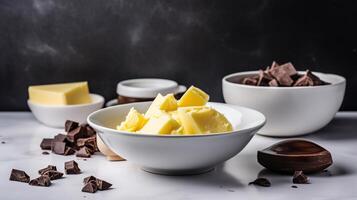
290, 111
176, 155
55, 116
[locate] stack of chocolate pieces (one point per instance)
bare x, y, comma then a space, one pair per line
79, 140
93, 184
282, 76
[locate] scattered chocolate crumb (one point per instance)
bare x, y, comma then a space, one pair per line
19, 175
230, 190
261, 182
300, 178
3, 142
45, 153
294, 186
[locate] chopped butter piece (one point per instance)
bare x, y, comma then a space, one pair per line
161, 103
134, 121
203, 119
193, 97
162, 124
60, 94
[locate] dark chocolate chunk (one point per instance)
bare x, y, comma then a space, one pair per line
304, 81
19, 175
49, 167
60, 138
90, 187
300, 178
69, 151
83, 152
281, 76
264, 78
41, 181
250, 81
71, 167
316, 80
103, 185
289, 156
59, 147
46, 144
52, 174
288, 68
70, 125
89, 178
89, 130
90, 142
45, 153
261, 182
273, 83
77, 133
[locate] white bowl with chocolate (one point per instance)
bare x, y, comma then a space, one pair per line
294, 102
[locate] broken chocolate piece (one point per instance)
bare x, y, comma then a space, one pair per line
52, 174
300, 178
71, 167
89, 130
250, 81
60, 138
89, 178
70, 125
273, 83
264, 78
59, 147
69, 151
46, 143
304, 81
49, 167
103, 185
90, 187
19, 175
261, 182
281, 76
83, 152
77, 133
41, 181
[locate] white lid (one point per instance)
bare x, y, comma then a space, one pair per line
148, 87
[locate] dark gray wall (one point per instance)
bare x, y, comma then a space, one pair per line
192, 41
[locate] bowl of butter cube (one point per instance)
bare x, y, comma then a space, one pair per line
177, 136
53, 104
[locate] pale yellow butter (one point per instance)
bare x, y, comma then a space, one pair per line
162, 124
203, 119
134, 121
60, 94
193, 97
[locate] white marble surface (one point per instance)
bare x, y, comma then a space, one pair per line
23, 134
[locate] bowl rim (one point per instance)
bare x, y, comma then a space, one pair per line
116, 132
98, 99
341, 81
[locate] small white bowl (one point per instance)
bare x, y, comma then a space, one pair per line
56, 116
176, 155
290, 111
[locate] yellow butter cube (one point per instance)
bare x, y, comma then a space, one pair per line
162, 124
134, 121
60, 94
161, 103
202, 119
193, 97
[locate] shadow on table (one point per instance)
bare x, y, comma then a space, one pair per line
340, 128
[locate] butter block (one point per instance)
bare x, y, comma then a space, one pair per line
193, 97
60, 94
162, 124
203, 119
134, 121
161, 103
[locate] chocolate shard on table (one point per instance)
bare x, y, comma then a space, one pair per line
71, 167
300, 178
43, 181
58, 147
46, 143
101, 184
77, 133
69, 151
90, 187
60, 138
53, 174
70, 125
89, 130
49, 167
261, 182
89, 178
19, 175
83, 152
289, 156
